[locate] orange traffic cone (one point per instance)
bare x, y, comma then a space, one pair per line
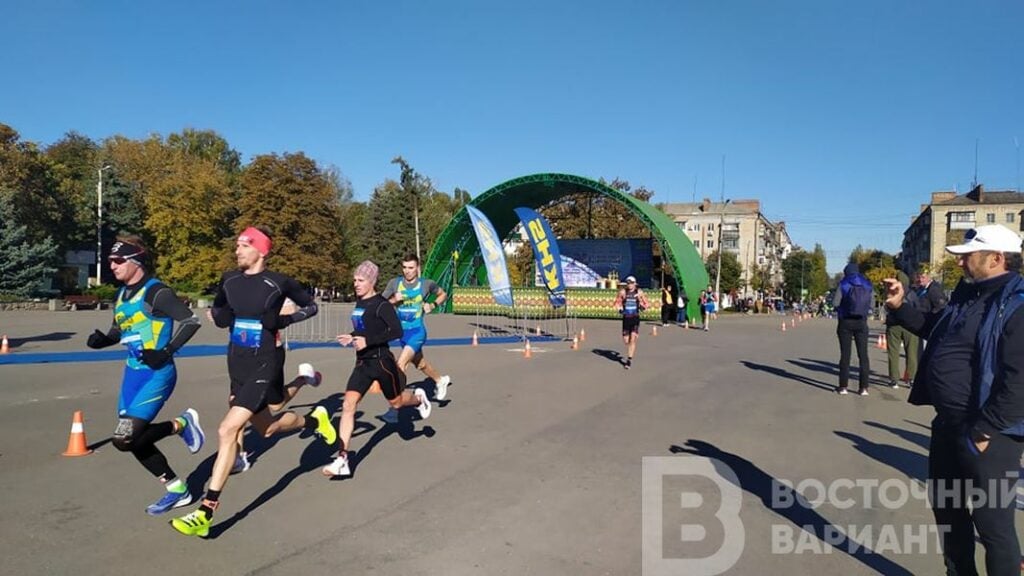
5, 346
527, 352
77, 446
583, 335
475, 341
575, 342
783, 325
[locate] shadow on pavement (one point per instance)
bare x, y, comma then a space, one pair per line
911, 463
922, 440
16, 342
783, 373
612, 355
760, 484
832, 368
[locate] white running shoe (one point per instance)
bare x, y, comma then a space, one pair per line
337, 468
424, 407
442, 387
312, 377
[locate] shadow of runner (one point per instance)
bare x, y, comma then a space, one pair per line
612, 355
759, 484
911, 463
406, 430
15, 341
832, 369
783, 373
922, 440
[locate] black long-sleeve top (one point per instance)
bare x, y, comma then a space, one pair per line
946, 375
375, 319
259, 297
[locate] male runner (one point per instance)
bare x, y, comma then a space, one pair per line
630, 302
409, 294
144, 318
374, 323
249, 303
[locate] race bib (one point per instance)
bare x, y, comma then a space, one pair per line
247, 333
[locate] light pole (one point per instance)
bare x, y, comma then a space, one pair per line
803, 262
718, 268
99, 222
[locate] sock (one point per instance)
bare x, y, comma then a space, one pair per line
180, 424
210, 502
176, 486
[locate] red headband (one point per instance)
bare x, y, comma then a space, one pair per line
256, 239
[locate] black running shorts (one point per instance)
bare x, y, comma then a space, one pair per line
256, 380
383, 370
630, 325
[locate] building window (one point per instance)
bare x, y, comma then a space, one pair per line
990, 218
711, 226
711, 243
696, 244
1009, 218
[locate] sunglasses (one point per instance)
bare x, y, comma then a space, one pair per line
118, 260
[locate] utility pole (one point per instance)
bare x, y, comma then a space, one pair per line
99, 223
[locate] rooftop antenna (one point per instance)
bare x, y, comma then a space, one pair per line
1016, 144
975, 183
694, 198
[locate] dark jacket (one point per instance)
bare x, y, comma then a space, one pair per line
972, 370
911, 296
931, 298
849, 280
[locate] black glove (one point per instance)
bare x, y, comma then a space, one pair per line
273, 322
99, 340
156, 359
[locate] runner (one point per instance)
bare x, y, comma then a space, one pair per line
630, 302
307, 375
375, 323
249, 303
144, 317
409, 293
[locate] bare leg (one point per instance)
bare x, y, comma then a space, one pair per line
631, 348
426, 367
228, 434
348, 418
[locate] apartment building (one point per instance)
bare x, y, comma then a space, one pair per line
741, 228
949, 215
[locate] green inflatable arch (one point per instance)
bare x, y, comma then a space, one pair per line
539, 190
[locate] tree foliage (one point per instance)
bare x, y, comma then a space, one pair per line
588, 215
731, 271
805, 270
24, 264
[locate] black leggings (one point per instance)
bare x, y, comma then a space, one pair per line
139, 437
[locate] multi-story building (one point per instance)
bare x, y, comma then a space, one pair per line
758, 243
949, 215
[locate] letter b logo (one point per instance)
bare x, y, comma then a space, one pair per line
691, 520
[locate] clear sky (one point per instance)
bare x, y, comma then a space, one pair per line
841, 117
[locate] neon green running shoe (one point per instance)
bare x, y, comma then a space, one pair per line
194, 524
324, 428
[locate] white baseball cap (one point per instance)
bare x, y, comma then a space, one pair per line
989, 238
630, 279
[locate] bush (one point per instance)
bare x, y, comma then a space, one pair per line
105, 292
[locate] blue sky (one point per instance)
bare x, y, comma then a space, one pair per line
842, 117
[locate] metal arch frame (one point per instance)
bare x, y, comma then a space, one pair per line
537, 190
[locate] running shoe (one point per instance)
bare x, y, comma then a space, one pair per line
192, 433
842, 391
389, 417
241, 463
169, 501
324, 428
337, 468
442, 387
193, 524
424, 407
313, 378
863, 392
894, 384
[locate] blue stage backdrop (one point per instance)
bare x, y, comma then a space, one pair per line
584, 260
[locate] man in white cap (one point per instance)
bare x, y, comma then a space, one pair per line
630, 302
972, 372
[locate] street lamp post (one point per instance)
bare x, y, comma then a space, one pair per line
99, 222
718, 268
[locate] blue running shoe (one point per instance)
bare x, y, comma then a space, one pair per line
192, 433
169, 501
389, 417
241, 463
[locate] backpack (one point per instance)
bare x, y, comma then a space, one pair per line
856, 301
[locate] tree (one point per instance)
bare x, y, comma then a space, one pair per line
299, 203
950, 271
24, 264
74, 161
589, 215
876, 266
36, 202
731, 270
389, 231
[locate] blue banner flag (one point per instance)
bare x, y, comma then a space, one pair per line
494, 257
545, 250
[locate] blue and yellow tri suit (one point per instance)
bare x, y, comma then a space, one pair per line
143, 390
410, 313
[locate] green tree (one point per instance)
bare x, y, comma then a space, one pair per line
819, 273
731, 271
950, 271
25, 174
299, 203
588, 215
24, 264
389, 230
74, 161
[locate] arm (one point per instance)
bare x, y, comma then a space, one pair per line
307, 307
167, 303
390, 292
439, 297
99, 340
222, 314
618, 299
1005, 406
391, 328
644, 303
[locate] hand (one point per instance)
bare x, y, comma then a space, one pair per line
894, 293
344, 339
156, 359
99, 340
428, 310
980, 441
359, 342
